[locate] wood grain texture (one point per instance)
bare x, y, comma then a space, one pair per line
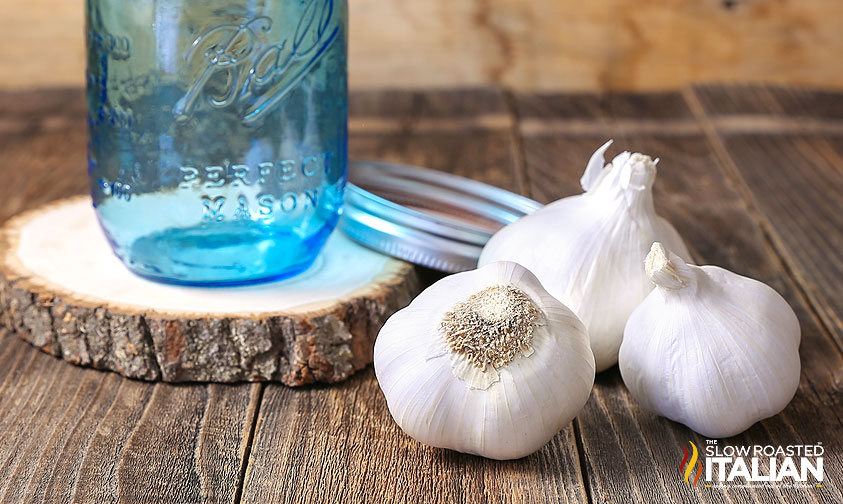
465, 132
630, 454
79, 435
794, 179
43, 136
765, 101
371, 460
804, 208
524, 45
84, 436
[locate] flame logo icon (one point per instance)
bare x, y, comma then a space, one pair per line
686, 470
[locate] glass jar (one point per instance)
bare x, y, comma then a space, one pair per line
218, 134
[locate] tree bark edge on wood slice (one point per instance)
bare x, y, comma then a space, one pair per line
318, 342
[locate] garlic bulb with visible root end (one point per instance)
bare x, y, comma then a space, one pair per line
485, 362
709, 348
587, 249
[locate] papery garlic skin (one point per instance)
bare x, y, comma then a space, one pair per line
439, 398
587, 249
709, 348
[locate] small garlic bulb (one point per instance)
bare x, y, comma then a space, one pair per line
710, 349
485, 362
587, 249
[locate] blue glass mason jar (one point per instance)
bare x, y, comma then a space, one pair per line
218, 134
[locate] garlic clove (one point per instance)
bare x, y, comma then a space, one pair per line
441, 397
587, 249
710, 349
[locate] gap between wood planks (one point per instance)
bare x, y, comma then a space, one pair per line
247, 450
543, 126
522, 175
718, 146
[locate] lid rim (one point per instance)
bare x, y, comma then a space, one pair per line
446, 238
413, 218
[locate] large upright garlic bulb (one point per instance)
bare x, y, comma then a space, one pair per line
587, 249
708, 348
485, 362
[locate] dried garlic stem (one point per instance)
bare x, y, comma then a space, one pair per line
666, 269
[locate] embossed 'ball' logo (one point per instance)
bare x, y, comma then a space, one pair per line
255, 74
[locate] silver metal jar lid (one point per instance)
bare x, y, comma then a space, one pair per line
426, 217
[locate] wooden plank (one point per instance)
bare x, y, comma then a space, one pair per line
45, 471
69, 434
630, 454
340, 444
443, 130
795, 181
96, 473
451, 104
778, 101
43, 137
194, 452
23, 442
72, 434
525, 45
661, 105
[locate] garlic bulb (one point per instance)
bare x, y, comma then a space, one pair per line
485, 362
710, 349
587, 249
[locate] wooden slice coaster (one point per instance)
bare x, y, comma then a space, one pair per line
63, 290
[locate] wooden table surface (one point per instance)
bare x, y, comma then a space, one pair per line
751, 176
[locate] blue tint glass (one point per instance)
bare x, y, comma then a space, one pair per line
218, 134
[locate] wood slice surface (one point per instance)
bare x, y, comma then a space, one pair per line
63, 290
